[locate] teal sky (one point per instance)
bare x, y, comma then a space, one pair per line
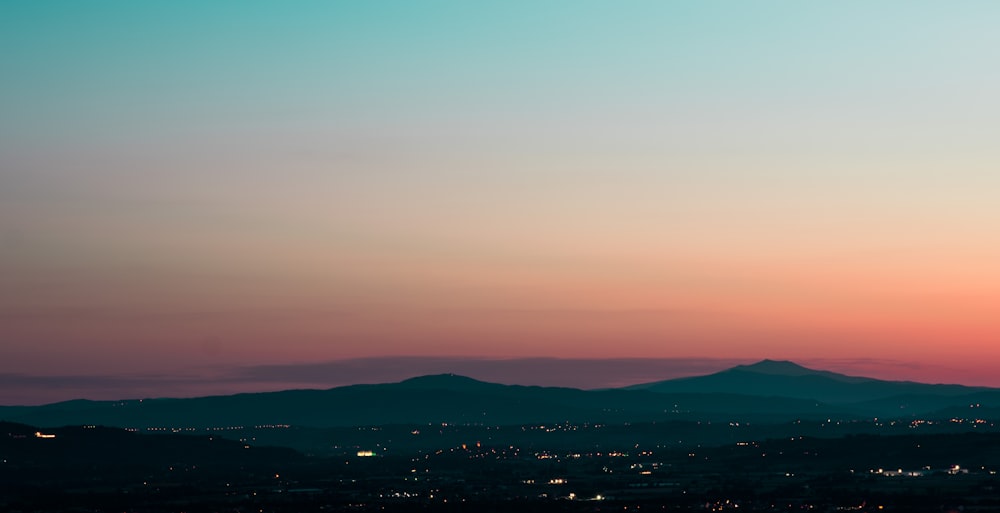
188, 184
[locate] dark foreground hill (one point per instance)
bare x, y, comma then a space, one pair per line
97, 447
111, 470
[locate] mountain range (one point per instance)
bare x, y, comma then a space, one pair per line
768, 391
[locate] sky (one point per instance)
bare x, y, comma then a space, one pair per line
199, 189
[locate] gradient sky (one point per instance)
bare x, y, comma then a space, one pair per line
190, 185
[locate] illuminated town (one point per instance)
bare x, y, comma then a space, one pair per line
869, 465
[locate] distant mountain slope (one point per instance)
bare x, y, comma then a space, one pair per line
768, 391
787, 368
428, 399
786, 379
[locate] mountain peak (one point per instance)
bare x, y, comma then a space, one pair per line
445, 381
779, 367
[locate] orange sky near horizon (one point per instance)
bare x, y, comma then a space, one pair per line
807, 182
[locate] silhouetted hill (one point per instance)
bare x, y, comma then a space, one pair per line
787, 368
771, 391
423, 400
786, 379
446, 382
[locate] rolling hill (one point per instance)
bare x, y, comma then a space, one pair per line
422, 400
769, 378
768, 391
